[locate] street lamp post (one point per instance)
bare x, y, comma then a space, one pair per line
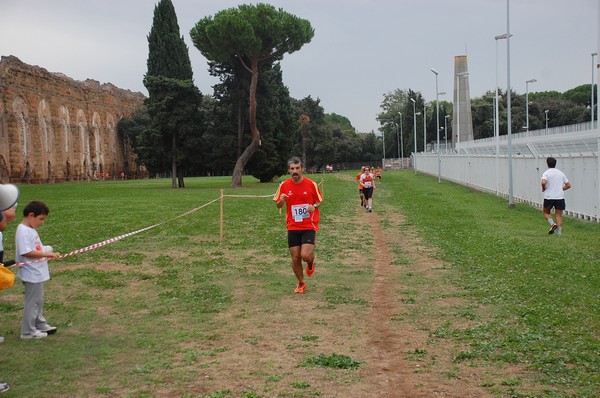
415, 133
401, 144
437, 103
446, 132
497, 117
511, 201
424, 128
527, 103
398, 139
546, 112
458, 76
383, 141
592, 99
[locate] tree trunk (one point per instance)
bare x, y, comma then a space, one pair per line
180, 180
173, 165
238, 171
304, 144
240, 128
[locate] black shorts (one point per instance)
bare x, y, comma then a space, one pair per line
558, 204
299, 238
368, 192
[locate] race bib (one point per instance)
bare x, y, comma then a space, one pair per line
300, 212
368, 184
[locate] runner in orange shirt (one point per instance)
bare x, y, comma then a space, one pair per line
302, 198
368, 181
360, 187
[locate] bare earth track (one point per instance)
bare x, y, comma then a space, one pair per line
389, 373
255, 344
399, 297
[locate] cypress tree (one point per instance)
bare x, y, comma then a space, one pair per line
173, 101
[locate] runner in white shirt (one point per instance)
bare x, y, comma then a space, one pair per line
554, 185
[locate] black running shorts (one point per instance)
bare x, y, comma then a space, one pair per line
558, 204
299, 238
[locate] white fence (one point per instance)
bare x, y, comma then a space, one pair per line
484, 165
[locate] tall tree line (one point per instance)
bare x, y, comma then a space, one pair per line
180, 132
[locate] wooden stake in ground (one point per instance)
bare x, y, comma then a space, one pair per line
221, 219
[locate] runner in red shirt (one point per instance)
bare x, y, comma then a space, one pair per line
302, 198
360, 187
368, 180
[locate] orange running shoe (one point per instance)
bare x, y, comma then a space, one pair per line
300, 288
310, 269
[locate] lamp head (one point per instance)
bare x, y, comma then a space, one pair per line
434, 71
504, 36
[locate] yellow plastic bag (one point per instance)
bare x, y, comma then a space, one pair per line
7, 278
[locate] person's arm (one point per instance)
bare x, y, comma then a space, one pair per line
314, 207
279, 203
35, 254
544, 181
566, 186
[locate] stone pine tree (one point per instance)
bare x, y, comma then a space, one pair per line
253, 34
173, 102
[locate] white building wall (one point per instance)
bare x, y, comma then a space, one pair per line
490, 173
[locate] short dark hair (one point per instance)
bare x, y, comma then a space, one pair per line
294, 160
551, 162
37, 208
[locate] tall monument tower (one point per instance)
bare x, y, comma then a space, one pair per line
462, 121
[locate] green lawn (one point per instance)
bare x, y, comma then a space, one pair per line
544, 290
125, 324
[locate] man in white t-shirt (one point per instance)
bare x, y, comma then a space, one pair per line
554, 185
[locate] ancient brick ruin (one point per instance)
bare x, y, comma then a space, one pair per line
54, 128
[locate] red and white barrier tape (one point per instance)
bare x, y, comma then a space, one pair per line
117, 238
248, 196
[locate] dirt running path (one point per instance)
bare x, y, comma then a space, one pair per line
389, 372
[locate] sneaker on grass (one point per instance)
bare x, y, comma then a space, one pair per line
35, 335
4, 387
300, 288
47, 329
310, 269
552, 229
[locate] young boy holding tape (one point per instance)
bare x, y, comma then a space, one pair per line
34, 272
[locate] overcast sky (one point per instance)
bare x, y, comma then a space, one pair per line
361, 50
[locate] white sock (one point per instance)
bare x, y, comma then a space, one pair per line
550, 221
559, 231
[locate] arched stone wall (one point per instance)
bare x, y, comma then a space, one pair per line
53, 128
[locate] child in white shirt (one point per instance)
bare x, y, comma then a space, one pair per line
33, 271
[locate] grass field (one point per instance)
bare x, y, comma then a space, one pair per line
174, 312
